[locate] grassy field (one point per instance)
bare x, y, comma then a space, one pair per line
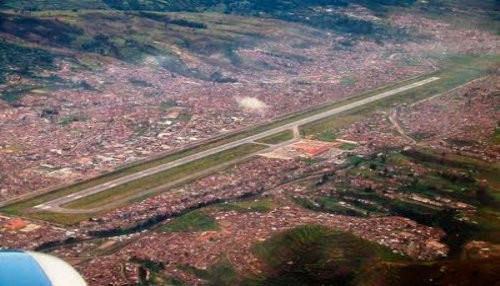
193, 221
221, 274
161, 178
348, 146
127, 190
277, 138
495, 137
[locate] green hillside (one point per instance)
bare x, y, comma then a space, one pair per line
191, 5
314, 255
40, 33
32, 43
133, 35
233, 6
309, 12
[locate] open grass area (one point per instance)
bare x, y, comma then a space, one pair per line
277, 138
495, 137
348, 146
110, 176
458, 70
162, 178
192, 221
221, 273
261, 206
61, 219
126, 190
326, 136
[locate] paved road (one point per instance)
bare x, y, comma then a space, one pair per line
55, 205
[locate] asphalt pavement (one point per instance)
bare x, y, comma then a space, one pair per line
55, 205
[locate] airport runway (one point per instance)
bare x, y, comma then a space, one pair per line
55, 205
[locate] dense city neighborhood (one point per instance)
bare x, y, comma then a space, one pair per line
201, 162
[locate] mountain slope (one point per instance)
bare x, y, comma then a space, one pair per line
191, 5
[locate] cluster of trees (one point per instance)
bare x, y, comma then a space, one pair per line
229, 6
53, 31
128, 50
243, 7
167, 20
24, 61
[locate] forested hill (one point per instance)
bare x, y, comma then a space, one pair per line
314, 13
228, 6
290, 10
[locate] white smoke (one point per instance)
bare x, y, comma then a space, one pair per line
252, 104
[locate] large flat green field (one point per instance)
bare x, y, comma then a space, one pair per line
171, 175
129, 190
